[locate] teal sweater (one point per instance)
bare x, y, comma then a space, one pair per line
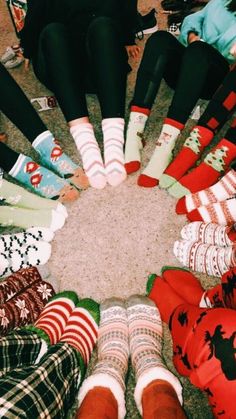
215, 25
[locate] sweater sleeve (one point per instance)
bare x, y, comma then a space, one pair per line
192, 23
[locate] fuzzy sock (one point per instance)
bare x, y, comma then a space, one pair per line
207, 173
54, 158
105, 402
145, 340
223, 213
161, 157
113, 137
208, 233
81, 329
87, 145
113, 352
31, 236
42, 181
223, 189
25, 308
28, 218
134, 139
201, 257
191, 151
54, 317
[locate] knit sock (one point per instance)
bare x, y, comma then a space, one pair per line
223, 213
223, 189
113, 136
27, 218
191, 151
24, 308
81, 329
159, 400
145, 340
161, 157
207, 173
228, 282
54, 317
16, 241
208, 233
105, 402
113, 352
184, 283
201, 257
87, 145
26, 256
54, 158
134, 139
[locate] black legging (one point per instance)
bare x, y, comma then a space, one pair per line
193, 72
67, 60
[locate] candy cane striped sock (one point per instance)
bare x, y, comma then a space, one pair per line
223, 213
209, 233
113, 135
87, 145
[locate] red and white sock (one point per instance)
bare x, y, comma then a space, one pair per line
209, 233
223, 189
223, 213
87, 145
113, 136
134, 138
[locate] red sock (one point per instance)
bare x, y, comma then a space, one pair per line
105, 402
228, 281
214, 164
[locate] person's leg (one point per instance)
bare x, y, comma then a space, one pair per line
10, 242
209, 233
18, 282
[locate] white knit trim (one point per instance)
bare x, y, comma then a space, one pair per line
43, 350
41, 137
156, 373
17, 166
104, 380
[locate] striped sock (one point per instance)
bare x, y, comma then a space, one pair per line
145, 338
113, 135
209, 233
53, 319
223, 213
134, 139
81, 330
87, 145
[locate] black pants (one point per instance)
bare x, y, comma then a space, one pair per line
68, 62
193, 72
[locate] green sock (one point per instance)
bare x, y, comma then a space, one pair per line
26, 218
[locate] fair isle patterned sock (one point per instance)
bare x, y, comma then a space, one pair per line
18, 282
31, 236
208, 233
223, 213
113, 352
145, 340
206, 258
134, 140
54, 158
87, 145
113, 137
225, 188
42, 181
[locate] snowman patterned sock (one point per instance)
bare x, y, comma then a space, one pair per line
209, 233
223, 213
134, 139
53, 157
31, 236
18, 282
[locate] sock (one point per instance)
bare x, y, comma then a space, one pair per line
201, 257
25, 308
113, 352
228, 282
54, 317
208, 172
223, 189
16, 241
209, 233
26, 256
134, 139
184, 283
81, 330
27, 218
161, 157
191, 151
53, 157
159, 400
145, 340
105, 402
113, 137
87, 145
223, 213
42, 181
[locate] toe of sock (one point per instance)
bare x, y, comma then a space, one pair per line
177, 190
132, 166
194, 215
150, 283
181, 206
115, 179
147, 181
166, 181
68, 194
98, 182
80, 180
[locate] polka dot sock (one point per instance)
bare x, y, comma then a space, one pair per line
134, 140
209, 233
223, 213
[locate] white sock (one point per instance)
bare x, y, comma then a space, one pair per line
133, 144
29, 237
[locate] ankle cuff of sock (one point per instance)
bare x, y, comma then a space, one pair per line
152, 374
106, 381
145, 111
41, 334
174, 123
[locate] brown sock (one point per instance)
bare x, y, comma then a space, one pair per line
160, 401
104, 403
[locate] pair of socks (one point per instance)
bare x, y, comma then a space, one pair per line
112, 171
215, 204
28, 210
132, 327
